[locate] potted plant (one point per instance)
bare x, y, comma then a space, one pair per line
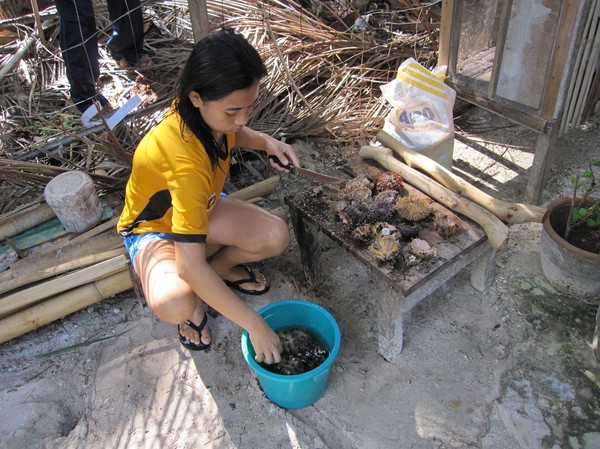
570, 240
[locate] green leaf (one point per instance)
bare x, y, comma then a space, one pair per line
580, 213
587, 174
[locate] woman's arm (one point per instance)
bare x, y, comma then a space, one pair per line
197, 273
254, 140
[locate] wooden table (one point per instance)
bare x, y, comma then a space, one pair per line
402, 288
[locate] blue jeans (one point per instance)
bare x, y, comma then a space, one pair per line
78, 38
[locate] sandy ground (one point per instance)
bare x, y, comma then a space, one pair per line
508, 368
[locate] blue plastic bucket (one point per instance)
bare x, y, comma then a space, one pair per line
298, 390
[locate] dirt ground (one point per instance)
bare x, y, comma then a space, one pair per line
511, 367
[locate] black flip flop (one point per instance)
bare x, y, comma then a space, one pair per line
251, 278
187, 343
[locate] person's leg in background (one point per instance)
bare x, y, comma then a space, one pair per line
127, 40
78, 41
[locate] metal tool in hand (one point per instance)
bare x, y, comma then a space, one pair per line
299, 171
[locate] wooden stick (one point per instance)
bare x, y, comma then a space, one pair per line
496, 231
61, 305
14, 224
38, 22
81, 262
262, 188
110, 224
14, 59
53, 256
511, 213
25, 298
281, 213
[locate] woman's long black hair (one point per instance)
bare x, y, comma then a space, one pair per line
218, 65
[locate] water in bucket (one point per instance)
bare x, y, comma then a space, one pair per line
302, 352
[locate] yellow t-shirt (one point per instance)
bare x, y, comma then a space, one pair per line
173, 187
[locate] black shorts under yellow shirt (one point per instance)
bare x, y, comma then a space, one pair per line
173, 187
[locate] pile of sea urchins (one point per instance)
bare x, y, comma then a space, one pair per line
368, 210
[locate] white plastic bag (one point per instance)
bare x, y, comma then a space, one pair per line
421, 115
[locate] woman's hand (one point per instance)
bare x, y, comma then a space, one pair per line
283, 152
248, 138
266, 344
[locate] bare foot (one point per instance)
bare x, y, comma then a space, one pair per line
192, 335
246, 280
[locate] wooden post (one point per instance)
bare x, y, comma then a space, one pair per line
542, 159
307, 236
199, 19
38, 22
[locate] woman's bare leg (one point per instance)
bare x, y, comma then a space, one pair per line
245, 233
239, 232
169, 297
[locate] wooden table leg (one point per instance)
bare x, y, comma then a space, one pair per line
596, 340
483, 268
307, 236
393, 307
389, 323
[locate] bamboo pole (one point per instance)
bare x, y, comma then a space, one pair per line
80, 262
110, 224
26, 298
61, 305
14, 224
261, 188
53, 256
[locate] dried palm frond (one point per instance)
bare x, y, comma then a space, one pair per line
326, 62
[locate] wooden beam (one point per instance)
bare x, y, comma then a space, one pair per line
523, 116
561, 61
199, 19
445, 33
542, 159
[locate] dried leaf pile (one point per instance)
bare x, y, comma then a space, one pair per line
326, 62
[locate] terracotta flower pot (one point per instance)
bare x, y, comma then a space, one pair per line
566, 267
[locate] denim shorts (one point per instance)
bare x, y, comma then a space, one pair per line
135, 241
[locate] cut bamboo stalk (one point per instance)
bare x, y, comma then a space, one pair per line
6, 275
30, 296
496, 231
64, 304
110, 224
53, 256
511, 213
262, 188
281, 213
26, 219
82, 262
